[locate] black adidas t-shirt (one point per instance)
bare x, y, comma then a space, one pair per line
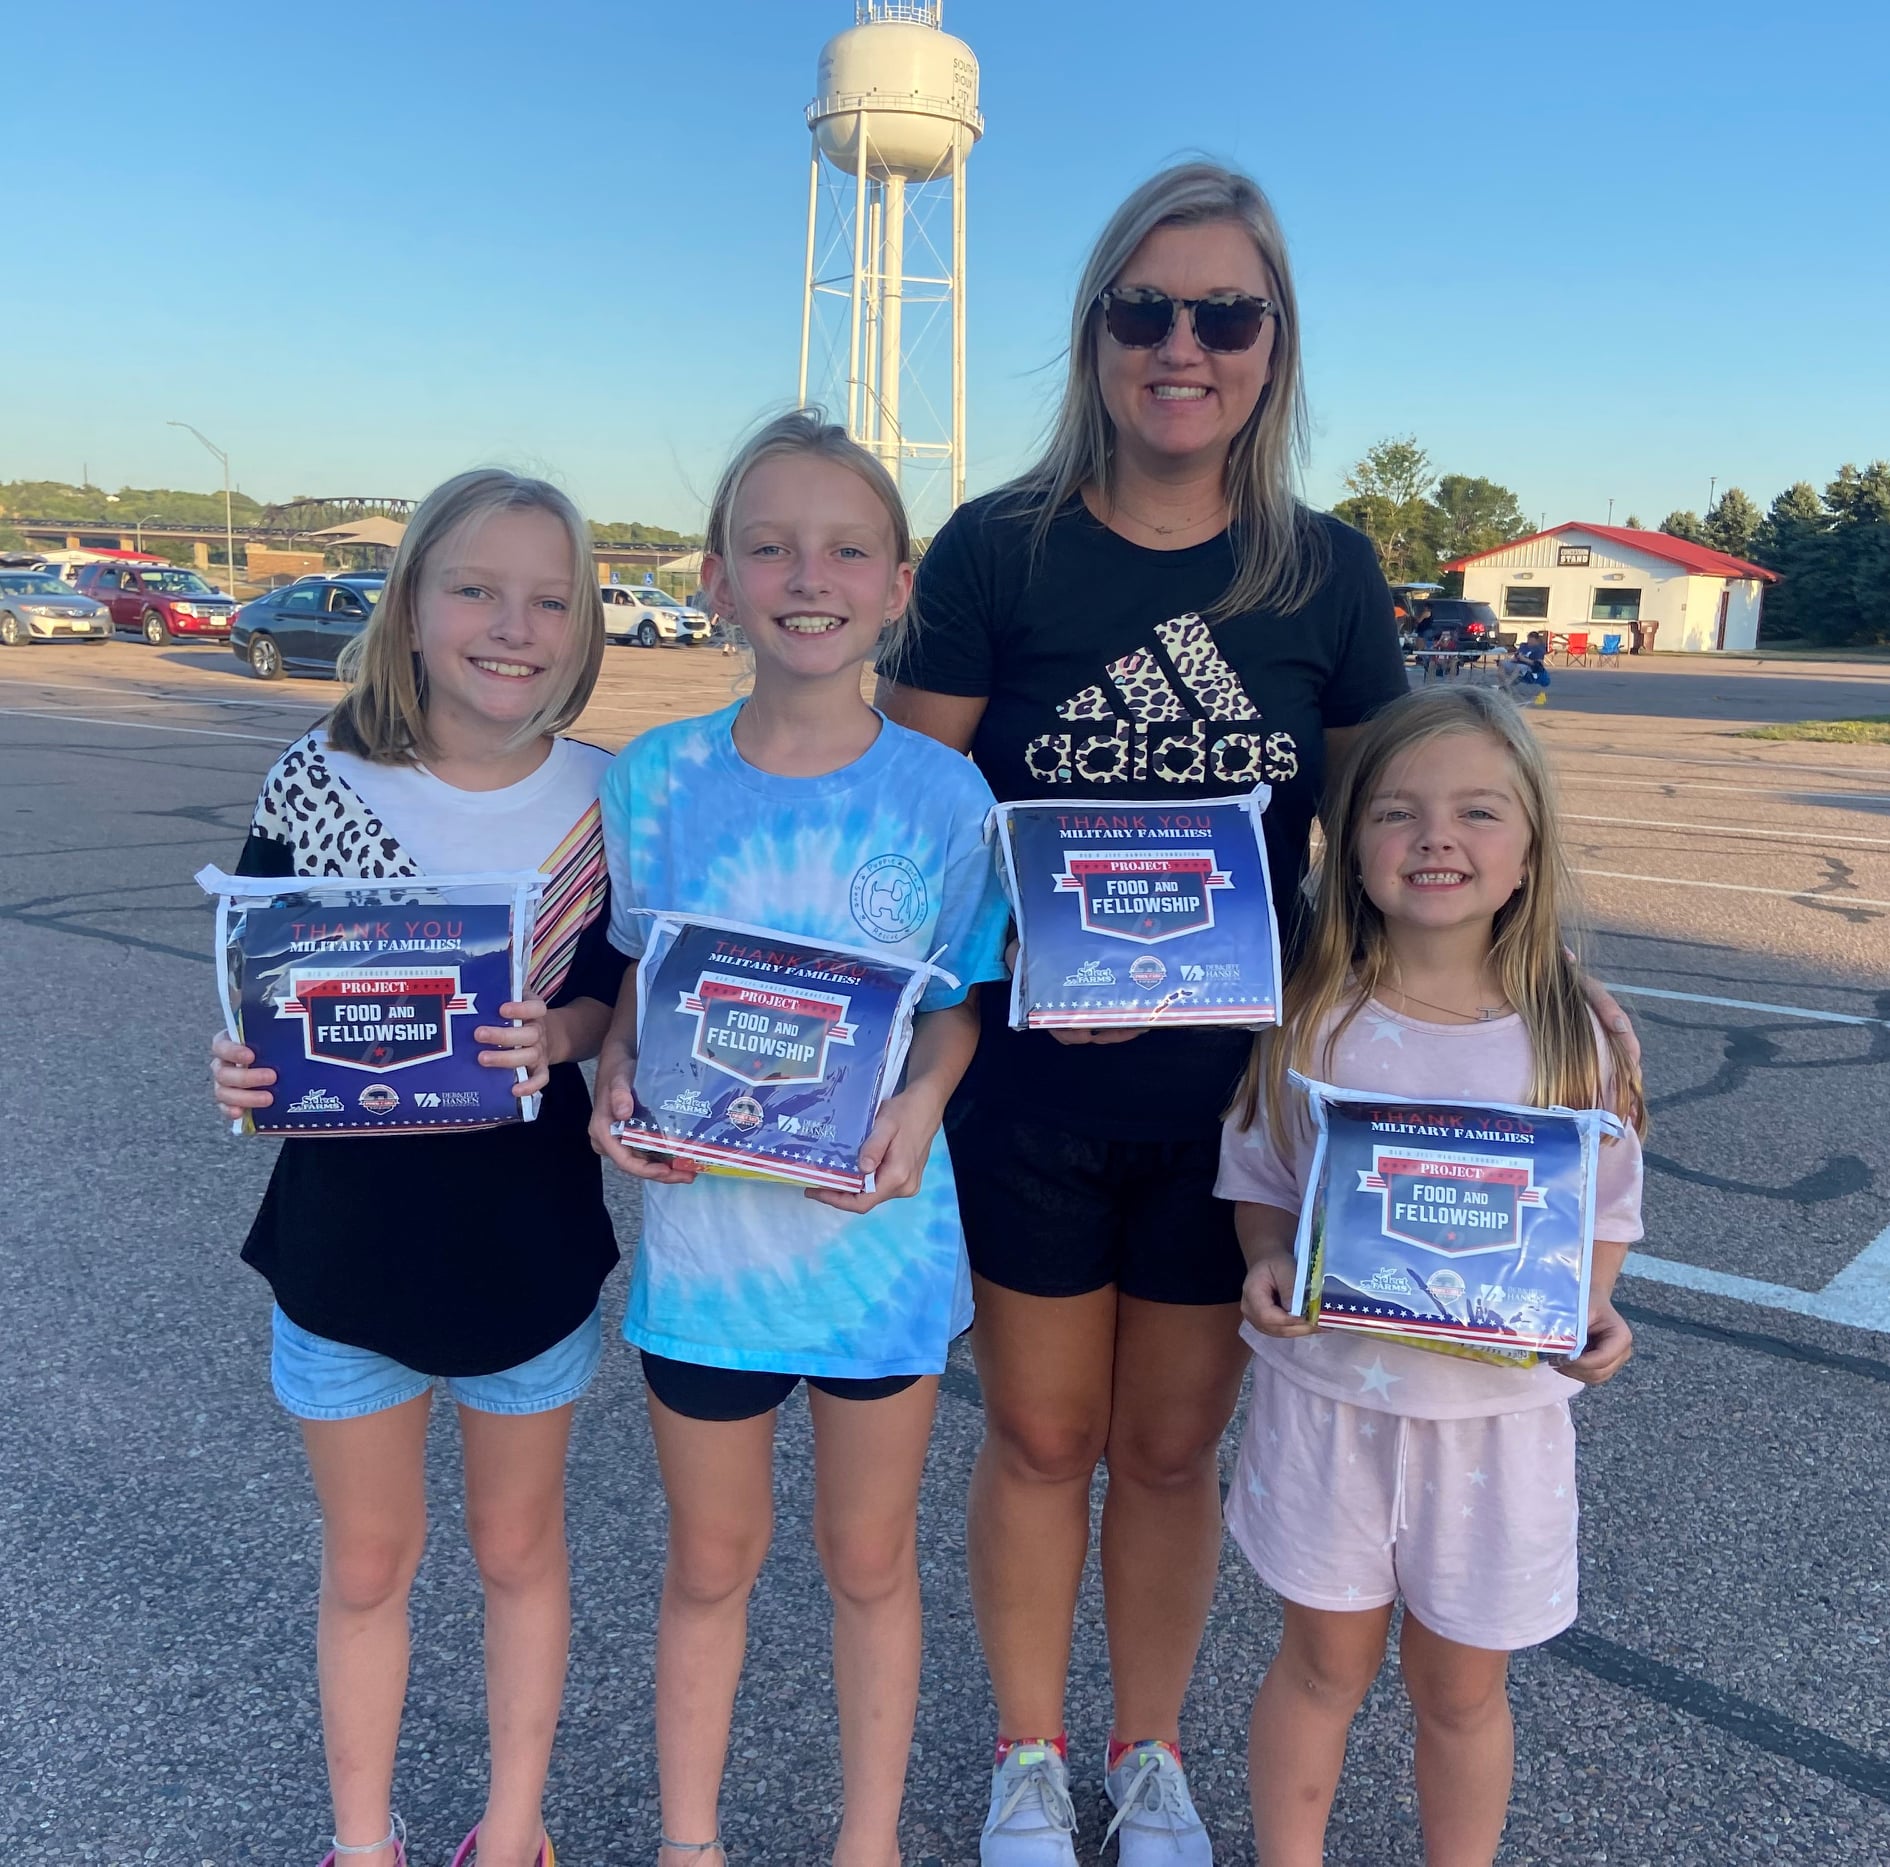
1104, 682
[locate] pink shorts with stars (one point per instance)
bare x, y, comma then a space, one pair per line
1472, 1521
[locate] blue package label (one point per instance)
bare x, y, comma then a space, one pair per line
1451, 1223
1139, 915
761, 1053
363, 1000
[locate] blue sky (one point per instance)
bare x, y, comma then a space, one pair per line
1598, 253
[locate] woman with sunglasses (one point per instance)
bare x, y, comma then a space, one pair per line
1148, 614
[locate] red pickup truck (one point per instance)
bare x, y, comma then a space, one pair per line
164, 604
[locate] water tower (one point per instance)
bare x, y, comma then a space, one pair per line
893, 122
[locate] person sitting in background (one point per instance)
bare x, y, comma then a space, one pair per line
1527, 665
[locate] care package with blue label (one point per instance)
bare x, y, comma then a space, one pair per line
762, 1053
1462, 1226
363, 996
1140, 914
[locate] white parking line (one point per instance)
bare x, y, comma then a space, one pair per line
157, 693
1738, 888
1733, 829
140, 726
1858, 1296
1747, 1004
1796, 793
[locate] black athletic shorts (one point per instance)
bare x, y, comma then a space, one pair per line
700, 1393
1055, 1212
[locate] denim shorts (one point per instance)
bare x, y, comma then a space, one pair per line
316, 1379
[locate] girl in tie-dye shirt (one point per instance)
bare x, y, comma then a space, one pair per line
804, 810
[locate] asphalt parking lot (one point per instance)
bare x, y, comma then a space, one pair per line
1724, 1698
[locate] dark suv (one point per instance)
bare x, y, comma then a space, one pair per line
303, 627
1472, 625
164, 604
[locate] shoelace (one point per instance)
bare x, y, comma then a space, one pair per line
1035, 1779
1156, 1789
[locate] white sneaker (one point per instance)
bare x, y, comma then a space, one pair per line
1155, 1822
1032, 1822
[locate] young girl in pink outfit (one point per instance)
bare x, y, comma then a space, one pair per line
1372, 1471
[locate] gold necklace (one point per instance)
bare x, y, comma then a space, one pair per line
1217, 518
1482, 1015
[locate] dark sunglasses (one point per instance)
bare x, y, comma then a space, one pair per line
1139, 318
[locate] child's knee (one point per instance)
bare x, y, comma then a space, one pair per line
1329, 1671
363, 1573
710, 1567
516, 1553
1458, 1697
867, 1564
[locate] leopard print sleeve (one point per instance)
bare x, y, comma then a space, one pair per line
322, 820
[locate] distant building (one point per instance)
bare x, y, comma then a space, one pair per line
1646, 587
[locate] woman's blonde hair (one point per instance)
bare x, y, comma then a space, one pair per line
1347, 956
1279, 549
383, 715
806, 432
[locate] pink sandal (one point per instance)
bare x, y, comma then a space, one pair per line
469, 1849
395, 1837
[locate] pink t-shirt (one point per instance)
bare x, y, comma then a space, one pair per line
1383, 1050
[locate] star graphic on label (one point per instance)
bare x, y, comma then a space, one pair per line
1351, 1458
1555, 1600
1469, 1510
1561, 1490
1385, 1032
1479, 1477
1430, 1487
1257, 1488
1376, 1379
1351, 1593
1367, 1430
1323, 1417
1273, 1435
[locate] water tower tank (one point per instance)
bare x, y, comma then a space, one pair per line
917, 84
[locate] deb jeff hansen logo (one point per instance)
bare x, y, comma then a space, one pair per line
759, 1034
1456, 1204
375, 1021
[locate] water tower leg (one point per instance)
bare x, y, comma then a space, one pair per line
854, 371
807, 289
961, 151
875, 300
892, 285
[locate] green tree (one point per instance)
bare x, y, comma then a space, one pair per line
1732, 523
1684, 525
1634, 524
1388, 491
1855, 498
1468, 514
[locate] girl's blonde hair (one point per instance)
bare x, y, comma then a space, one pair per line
383, 715
1279, 549
806, 432
1347, 955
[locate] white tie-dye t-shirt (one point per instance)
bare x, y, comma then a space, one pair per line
886, 852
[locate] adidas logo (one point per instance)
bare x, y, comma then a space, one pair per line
1161, 737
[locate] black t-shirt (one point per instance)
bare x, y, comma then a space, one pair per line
452, 1253
1104, 682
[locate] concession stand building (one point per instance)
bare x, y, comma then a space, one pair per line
1645, 588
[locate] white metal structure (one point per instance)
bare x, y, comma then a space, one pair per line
893, 124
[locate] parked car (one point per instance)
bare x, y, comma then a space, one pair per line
36, 606
161, 602
303, 627
645, 615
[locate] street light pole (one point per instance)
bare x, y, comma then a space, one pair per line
229, 528
142, 523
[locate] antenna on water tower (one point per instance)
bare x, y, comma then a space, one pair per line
893, 124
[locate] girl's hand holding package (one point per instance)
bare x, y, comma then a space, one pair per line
614, 1102
894, 1154
523, 1044
1267, 1294
237, 1086
1610, 1344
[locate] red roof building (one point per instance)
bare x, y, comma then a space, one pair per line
1614, 581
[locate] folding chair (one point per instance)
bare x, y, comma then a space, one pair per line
1575, 648
1558, 642
1609, 653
